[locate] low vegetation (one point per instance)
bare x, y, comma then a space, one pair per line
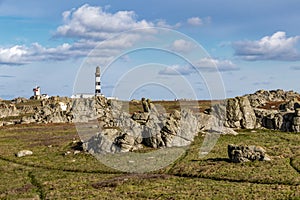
54, 171
169, 106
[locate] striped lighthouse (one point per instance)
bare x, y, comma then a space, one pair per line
97, 82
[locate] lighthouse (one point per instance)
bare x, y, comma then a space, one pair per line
97, 82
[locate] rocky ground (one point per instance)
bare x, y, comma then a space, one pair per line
44, 141
117, 129
121, 129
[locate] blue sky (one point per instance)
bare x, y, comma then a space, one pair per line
254, 45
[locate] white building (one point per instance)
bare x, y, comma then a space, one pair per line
37, 91
82, 96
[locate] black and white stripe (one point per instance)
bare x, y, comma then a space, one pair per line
97, 82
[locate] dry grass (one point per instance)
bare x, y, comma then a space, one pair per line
169, 106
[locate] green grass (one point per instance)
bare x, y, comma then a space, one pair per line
49, 174
49, 144
216, 165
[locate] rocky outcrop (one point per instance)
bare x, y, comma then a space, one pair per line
179, 129
83, 110
53, 111
236, 113
115, 130
151, 135
276, 110
273, 119
278, 120
241, 153
290, 105
146, 105
141, 117
24, 111
262, 97
102, 142
150, 129
8, 110
240, 114
211, 123
65, 110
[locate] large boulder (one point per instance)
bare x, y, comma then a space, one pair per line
241, 153
125, 142
248, 120
180, 128
233, 113
23, 153
102, 142
212, 123
296, 121
152, 136
239, 113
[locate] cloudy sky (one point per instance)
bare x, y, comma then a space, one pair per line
194, 49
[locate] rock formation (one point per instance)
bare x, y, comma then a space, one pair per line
239, 113
151, 129
276, 110
115, 130
8, 110
241, 153
262, 97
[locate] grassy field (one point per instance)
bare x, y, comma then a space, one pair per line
50, 174
169, 106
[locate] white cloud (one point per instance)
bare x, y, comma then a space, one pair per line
204, 64
275, 47
195, 21
176, 70
88, 26
19, 55
13, 55
163, 24
183, 46
211, 64
94, 22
